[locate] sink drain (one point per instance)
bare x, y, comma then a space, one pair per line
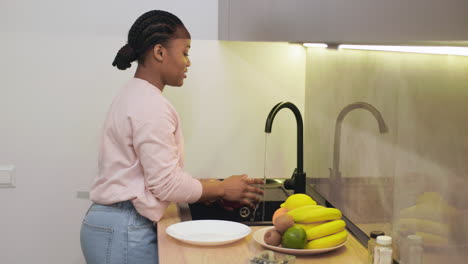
244, 212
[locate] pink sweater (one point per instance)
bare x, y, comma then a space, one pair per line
141, 153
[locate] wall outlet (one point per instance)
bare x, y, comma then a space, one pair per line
7, 176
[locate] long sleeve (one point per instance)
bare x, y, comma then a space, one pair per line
157, 147
141, 153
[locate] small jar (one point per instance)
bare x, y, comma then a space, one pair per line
415, 249
371, 244
383, 250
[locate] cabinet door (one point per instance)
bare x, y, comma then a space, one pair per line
340, 21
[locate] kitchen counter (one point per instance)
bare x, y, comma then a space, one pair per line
172, 251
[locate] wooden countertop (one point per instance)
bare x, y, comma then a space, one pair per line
172, 251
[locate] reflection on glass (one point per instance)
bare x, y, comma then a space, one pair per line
439, 225
411, 183
335, 174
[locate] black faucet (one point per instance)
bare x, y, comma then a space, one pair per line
297, 181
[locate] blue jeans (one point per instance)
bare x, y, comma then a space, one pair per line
118, 234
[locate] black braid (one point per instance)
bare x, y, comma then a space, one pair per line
140, 25
124, 57
153, 27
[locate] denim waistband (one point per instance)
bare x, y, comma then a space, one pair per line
123, 205
119, 206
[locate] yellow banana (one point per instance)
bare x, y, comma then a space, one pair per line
433, 240
325, 229
327, 241
303, 209
309, 214
309, 226
297, 200
426, 211
427, 226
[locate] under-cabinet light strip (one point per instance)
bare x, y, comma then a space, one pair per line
315, 45
444, 50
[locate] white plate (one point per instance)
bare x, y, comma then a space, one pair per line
258, 236
208, 232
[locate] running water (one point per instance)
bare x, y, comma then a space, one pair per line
264, 177
252, 219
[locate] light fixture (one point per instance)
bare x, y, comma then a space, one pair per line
444, 50
315, 45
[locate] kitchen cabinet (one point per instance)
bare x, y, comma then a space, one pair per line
343, 21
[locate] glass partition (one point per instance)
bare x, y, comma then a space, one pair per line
410, 180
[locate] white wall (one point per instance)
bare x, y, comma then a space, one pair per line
230, 90
57, 82
104, 17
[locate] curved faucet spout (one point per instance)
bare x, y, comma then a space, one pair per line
297, 182
336, 148
297, 114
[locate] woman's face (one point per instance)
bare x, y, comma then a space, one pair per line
176, 62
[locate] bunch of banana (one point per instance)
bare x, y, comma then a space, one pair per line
431, 218
323, 226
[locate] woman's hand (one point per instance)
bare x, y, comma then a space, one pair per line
240, 188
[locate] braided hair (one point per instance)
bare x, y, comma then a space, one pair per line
151, 28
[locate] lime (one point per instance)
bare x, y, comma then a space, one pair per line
297, 200
294, 237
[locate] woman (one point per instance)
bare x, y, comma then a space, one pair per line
140, 159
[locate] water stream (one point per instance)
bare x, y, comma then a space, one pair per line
264, 177
264, 184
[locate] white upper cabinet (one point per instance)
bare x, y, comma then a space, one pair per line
343, 21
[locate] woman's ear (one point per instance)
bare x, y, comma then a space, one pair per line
158, 52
